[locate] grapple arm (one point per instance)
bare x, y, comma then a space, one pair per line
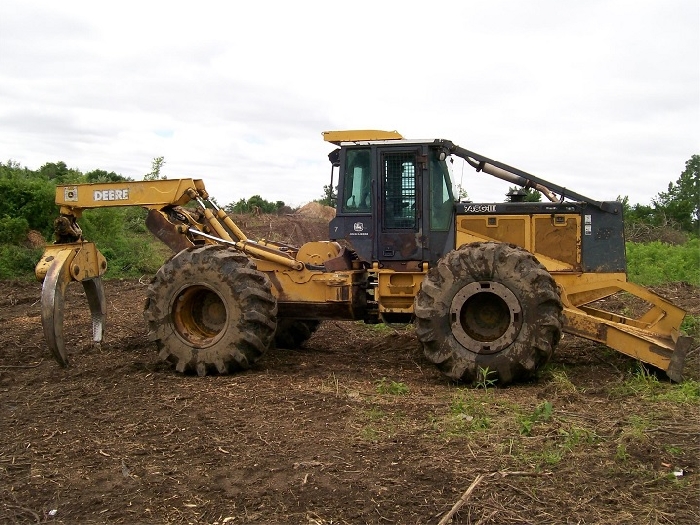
71, 258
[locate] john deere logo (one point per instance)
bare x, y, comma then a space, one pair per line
111, 195
70, 194
358, 226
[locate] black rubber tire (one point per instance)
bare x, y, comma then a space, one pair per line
467, 291
293, 333
210, 311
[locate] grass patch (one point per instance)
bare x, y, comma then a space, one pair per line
467, 413
691, 326
653, 263
561, 382
576, 436
376, 424
687, 392
645, 384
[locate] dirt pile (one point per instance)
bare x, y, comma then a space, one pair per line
294, 229
34, 239
316, 210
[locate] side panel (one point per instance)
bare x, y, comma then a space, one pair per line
555, 238
603, 239
566, 236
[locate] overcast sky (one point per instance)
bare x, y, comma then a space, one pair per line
602, 97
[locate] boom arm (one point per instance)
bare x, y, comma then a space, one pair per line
517, 176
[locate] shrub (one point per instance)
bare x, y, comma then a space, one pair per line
13, 230
656, 263
18, 262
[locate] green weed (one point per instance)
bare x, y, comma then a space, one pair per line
543, 412
551, 456
637, 429
393, 388
621, 453
577, 436
673, 450
484, 379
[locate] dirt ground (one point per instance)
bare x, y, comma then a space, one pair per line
356, 427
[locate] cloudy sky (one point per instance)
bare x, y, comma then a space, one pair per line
602, 97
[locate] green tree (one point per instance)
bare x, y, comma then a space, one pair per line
156, 168
28, 195
461, 194
530, 194
255, 204
103, 176
681, 203
60, 173
637, 213
329, 197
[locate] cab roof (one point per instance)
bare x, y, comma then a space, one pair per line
360, 135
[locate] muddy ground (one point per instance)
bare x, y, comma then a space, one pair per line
356, 427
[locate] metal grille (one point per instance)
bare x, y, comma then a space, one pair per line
399, 190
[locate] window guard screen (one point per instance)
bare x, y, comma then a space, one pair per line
399, 191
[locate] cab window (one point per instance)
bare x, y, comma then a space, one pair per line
399, 174
358, 181
441, 199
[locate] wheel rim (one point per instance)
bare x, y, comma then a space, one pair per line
486, 317
199, 315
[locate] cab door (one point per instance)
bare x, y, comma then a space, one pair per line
399, 236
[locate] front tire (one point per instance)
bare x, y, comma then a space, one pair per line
488, 309
210, 311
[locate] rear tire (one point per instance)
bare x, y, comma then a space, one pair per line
293, 333
210, 311
488, 309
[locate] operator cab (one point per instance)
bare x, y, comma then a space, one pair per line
395, 204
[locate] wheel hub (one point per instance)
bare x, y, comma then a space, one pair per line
199, 315
485, 316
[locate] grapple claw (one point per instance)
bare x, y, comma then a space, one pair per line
94, 290
60, 265
52, 299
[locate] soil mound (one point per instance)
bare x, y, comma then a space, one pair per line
34, 239
317, 210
